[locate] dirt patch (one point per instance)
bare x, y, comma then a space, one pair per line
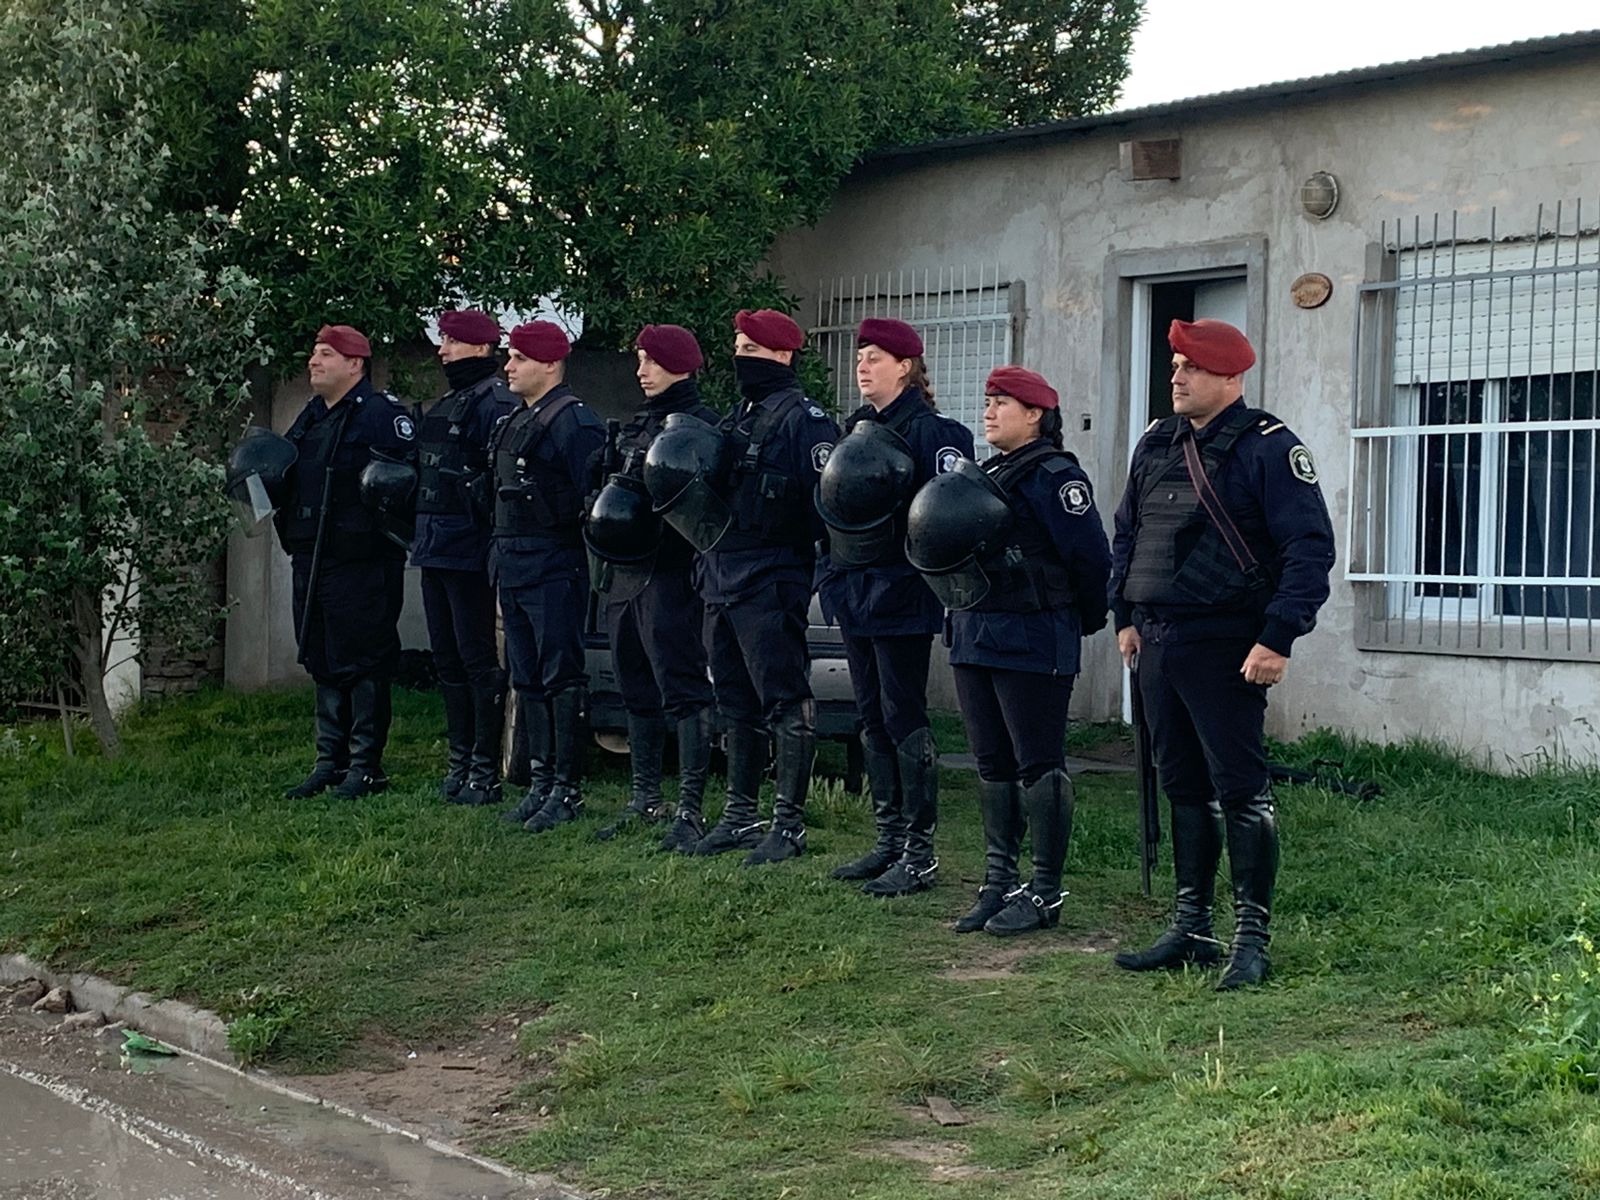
946, 1161
990, 958
465, 1092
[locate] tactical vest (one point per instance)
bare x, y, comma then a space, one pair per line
533, 496
444, 458
1028, 575
1179, 556
351, 531
769, 507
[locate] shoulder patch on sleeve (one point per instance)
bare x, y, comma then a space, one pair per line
947, 458
1075, 497
404, 428
1301, 463
820, 453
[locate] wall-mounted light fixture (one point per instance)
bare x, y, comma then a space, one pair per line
1319, 196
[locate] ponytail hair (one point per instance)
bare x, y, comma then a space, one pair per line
1050, 426
917, 377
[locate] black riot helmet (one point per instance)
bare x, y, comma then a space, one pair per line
621, 535
683, 468
389, 491
258, 469
866, 479
956, 520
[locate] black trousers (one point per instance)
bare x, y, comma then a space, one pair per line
757, 650
890, 678
1205, 721
352, 632
459, 606
544, 635
656, 648
1016, 721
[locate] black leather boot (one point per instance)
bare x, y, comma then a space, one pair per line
488, 738
534, 724
333, 744
369, 735
1253, 863
1049, 801
1196, 849
918, 761
458, 735
794, 731
1000, 804
738, 828
566, 797
694, 763
647, 742
883, 783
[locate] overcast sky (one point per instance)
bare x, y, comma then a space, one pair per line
1196, 47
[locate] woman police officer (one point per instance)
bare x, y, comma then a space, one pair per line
1016, 550
896, 442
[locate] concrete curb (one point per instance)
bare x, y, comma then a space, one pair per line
193, 1029
203, 1035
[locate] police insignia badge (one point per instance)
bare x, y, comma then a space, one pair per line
404, 428
947, 459
1300, 462
820, 454
816, 412
1075, 497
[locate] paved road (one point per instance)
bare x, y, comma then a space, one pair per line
78, 1121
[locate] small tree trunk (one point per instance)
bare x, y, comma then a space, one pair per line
87, 621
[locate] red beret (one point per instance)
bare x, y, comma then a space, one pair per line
1026, 386
543, 341
346, 339
1214, 346
898, 338
672, 346
770, 328
470, 325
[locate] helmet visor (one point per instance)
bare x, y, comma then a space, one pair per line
252, 507
699, 514
963, 588
619, 581
860, 547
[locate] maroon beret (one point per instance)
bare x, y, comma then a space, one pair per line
1026, 386
672, 346
898, 338
770, 328
346, 339
543, 341
1214, 346
470, 325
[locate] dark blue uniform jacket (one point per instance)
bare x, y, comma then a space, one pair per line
889, 598
1061, 504
460, 541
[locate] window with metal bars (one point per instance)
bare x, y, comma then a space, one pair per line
1474, 433
968, 319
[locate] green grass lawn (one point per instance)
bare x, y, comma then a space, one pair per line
721, 1034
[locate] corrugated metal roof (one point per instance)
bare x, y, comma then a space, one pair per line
1559, 46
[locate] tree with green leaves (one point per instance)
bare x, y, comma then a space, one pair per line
125, 337
635, 157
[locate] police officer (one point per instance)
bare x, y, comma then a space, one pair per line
1023, 595
661, 673
348, 576
886, 612
1223, 548
540, 457
452, 548
756, 585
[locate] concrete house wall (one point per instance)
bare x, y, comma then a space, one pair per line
1054, 209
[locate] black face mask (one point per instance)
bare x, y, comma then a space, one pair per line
465, 372
760, 377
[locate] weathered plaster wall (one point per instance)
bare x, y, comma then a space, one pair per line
1051, 213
